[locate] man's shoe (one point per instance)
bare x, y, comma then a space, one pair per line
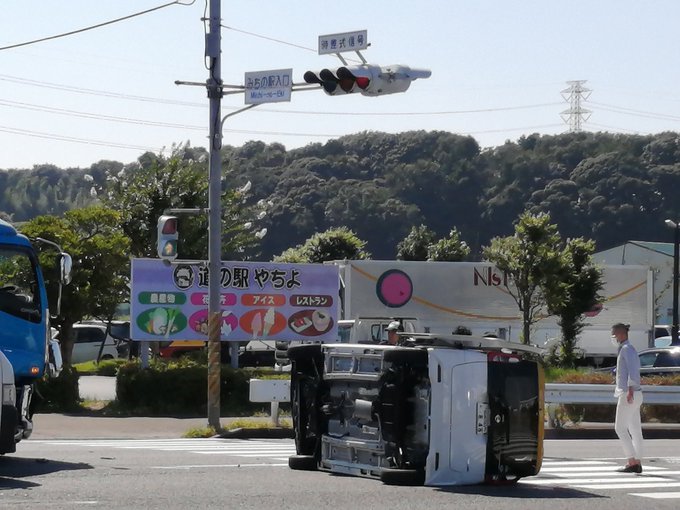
632, 468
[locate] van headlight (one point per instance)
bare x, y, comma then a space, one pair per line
9, 394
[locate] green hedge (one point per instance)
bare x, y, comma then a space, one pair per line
58, 394
606, 413
180, 388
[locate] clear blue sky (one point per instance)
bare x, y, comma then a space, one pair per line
484, 55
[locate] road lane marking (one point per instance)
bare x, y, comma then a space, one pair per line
657, 495
196, 466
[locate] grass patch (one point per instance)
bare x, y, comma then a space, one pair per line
200, 432
107, 367
245, 423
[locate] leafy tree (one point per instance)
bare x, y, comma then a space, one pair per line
449, 249
530, 257
334, 244
572, 292
141, 194
416, 244
99, 248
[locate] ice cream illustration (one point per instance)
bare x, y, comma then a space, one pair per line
269, 319
256, 325
226, 328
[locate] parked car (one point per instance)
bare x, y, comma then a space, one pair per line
656, 361
660, 361
87, 342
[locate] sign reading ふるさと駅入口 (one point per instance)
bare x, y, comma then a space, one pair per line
259, 300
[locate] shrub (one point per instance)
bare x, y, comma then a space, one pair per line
58, 394
179, 387
607, 413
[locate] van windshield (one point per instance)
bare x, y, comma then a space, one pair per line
19, 291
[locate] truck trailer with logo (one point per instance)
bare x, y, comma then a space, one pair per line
445, 296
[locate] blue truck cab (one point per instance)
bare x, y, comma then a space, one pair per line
25, 341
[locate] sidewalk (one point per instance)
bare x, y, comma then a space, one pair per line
62, 426
594, 430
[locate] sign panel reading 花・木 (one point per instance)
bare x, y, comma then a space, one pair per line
268, 86
260, 300
338, 43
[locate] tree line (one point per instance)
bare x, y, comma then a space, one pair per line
606, 187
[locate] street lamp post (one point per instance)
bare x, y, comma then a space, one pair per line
676, 257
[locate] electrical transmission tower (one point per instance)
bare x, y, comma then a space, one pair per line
575, 115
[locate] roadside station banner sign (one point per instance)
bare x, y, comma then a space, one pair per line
339, 43
260, 300
268, 86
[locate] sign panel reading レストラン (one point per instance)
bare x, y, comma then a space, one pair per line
260, 300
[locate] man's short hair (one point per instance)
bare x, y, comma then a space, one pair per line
621, 325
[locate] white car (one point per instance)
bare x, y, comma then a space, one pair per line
87, 342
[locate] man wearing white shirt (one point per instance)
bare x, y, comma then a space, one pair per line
628, 424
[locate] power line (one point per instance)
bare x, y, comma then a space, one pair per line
95, 92
505, 130
269, 38
614, 128
636, 113
143, 122
92, 27
64, 138
118, 95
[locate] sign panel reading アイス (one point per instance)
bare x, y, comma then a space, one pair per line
259, 300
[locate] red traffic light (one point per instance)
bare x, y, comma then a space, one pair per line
168, 224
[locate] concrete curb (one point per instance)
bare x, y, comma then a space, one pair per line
606, 431
244, 433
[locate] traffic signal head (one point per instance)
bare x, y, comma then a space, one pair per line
343, 80
167, 237
369, 80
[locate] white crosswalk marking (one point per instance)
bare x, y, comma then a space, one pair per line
657, 495
590, 474
275, 450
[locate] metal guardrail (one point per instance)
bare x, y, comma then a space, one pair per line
604, 394
275, 391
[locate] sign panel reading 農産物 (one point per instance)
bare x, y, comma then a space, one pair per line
260, 300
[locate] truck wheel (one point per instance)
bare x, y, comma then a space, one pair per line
302, 462
402, 355
305, 352
392, 476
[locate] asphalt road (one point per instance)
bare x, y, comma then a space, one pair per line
230, 473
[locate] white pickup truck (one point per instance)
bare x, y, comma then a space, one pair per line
436, 410
8, 410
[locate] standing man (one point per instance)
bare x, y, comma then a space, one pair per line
628, 425
393, 329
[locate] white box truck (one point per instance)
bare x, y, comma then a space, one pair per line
446, 295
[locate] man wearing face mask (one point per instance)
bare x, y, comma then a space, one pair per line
628, 425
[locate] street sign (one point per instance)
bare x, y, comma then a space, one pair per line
338, 43
268, 86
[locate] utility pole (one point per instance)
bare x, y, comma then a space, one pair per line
214, 86
575, 115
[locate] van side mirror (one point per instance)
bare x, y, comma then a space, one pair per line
65, 265
56, 362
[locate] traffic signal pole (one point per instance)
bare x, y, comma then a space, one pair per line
214, 86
